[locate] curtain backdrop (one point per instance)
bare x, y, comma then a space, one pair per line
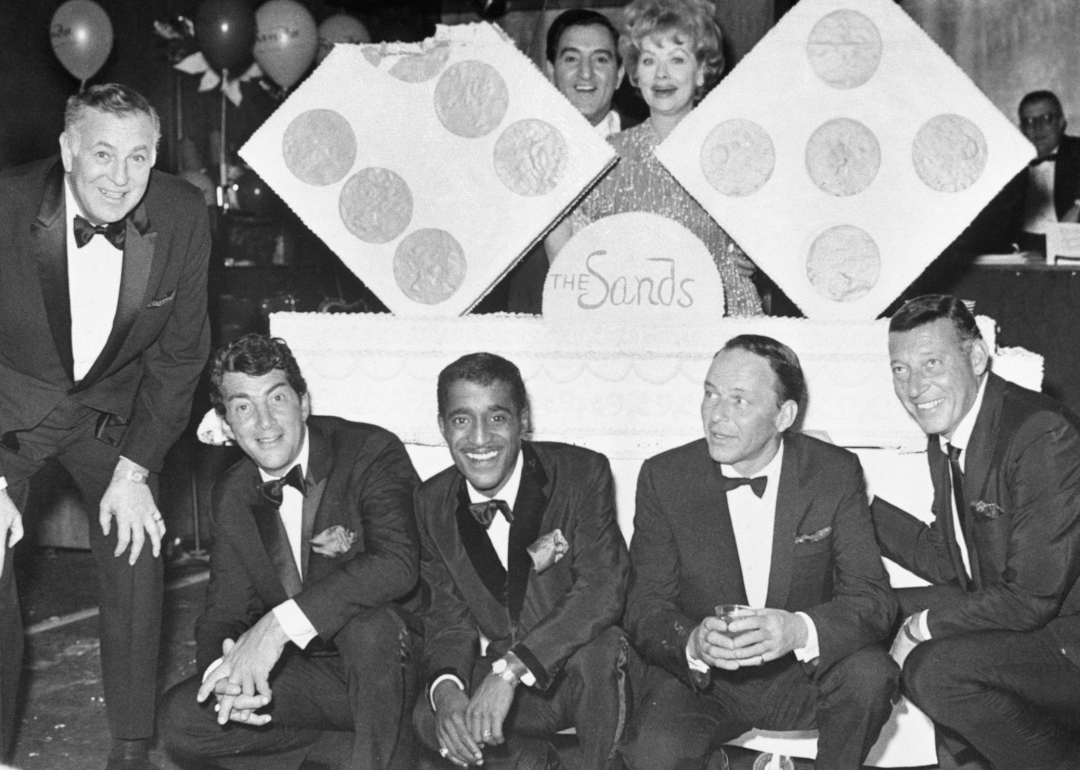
1010, 47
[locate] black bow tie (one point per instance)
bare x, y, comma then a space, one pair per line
271, 490
1037, 161
114, 232
757, 484
485, 512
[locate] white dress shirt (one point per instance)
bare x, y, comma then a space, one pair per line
753, 519
289, 616
1040, 214
960, 439
610, 124
93, 289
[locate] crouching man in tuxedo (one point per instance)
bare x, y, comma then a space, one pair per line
991, 649
314, 556
520, 550
756, 515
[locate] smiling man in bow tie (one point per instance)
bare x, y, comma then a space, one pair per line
757, 515
313, 574
527, 569
103, 336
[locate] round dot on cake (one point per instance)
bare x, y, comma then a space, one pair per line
844, 263
530, 157
419, 68
319, 147
843, 157
949, 153
471, 99
376, 205
374, 53
844, 49
738, 157
429, 266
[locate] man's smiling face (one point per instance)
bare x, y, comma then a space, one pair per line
586, 69
266, 418
936, 374
108, 159
483, 428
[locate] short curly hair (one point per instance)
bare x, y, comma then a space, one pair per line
253, 355
696, 19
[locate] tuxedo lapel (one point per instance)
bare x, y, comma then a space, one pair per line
982, 444
48, 244
319, 462
134, 277
528, 515
479, 548
718, 537
789, 508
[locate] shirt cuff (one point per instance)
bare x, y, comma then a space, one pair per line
924, 625
210, 669
810, 650
524, 675
439, 680
295, 623
694, 663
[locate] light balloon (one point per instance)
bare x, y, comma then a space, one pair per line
285, 40
225, 30
82, 37
340, 28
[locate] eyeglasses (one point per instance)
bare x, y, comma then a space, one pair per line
1041, 121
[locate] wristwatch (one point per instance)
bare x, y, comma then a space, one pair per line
502, 669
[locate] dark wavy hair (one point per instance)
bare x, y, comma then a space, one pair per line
482, 369
578, 17
694, 19
114, 99
933, 307
783, 361
254, 355
1041, 96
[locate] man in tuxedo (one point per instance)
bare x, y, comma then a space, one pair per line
526, 568
313, 573
103, 336
756, 515
994, 642
583, 62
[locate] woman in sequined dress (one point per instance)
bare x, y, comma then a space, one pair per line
672, 52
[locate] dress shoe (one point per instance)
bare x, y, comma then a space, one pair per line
130, 755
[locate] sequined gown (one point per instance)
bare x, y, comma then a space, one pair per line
639, 182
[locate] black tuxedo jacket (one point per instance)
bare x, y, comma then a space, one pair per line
359, 477
685, 561
1022, 495
160, 338
543, 617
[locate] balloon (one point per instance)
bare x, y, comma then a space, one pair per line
340, 28
225, 30
254, 196
489, 9
82, 37
285, 40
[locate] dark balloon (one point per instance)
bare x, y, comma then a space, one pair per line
225, 32
489, 9
254, 196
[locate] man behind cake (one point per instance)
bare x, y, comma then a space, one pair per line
756, 515
314, 541
520, 551
991, 649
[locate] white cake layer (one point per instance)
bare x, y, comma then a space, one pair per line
629, 392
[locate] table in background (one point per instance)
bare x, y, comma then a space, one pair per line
1037, 307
